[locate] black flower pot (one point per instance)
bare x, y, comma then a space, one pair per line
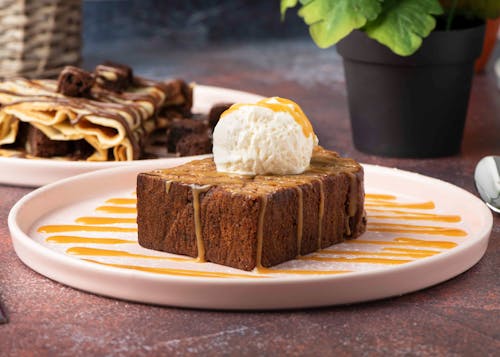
410, 106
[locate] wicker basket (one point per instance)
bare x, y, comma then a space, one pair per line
38, 37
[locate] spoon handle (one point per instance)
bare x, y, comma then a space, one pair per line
487, 178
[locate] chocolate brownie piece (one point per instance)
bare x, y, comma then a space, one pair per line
21, 137
179, 96
194, 144
180, 128
81, 150
113, 76
247, 222
75, 82
38, 144
215, 113
166, 116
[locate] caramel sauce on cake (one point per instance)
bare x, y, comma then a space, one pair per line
277, 104
201, 176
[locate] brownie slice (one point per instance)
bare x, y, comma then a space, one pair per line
180, 128
247, 222
38, 144
215, 113
194, 144
179, 96
81, 150
113, 76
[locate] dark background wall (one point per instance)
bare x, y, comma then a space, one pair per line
191, 39
187, 23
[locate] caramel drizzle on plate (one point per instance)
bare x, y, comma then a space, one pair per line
57, 228
88, 240
122, 201
411, 215
104, 220
178, 272
117, 209
413, 228
379, 196
119, 253
398, 250
403, 241
382, 203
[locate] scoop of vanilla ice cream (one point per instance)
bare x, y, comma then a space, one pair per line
263, 138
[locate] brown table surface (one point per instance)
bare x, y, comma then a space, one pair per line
460, 316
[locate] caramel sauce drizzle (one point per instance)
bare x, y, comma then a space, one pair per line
381, 203
122, 201
196, 190
413, 251
94, 240
353, 195
263, 270
377, 254
119, 253
82, 228
392, 249
279, 105
379, 196
407, 242
300, 219
104, 220
178, 272
356, 260
321, 212
117, 209
352, 200
168, 184
411, 228
260, 232
412, 215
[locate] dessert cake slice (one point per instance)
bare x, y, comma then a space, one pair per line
248, 222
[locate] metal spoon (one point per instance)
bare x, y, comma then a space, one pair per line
487, 178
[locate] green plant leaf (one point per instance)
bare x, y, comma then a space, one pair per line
285, 5
485, 9
331, 20
404, 23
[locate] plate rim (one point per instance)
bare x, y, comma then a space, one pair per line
17, 232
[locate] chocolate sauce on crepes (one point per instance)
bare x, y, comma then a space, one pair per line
113, 76
97, 114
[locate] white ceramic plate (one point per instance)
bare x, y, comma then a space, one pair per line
30, 172
430, 231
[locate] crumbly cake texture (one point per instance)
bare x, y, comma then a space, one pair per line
180, 128
215, 113
248, 222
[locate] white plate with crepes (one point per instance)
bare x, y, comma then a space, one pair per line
81, 232
38, 172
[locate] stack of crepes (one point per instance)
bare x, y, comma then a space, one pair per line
110, 112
